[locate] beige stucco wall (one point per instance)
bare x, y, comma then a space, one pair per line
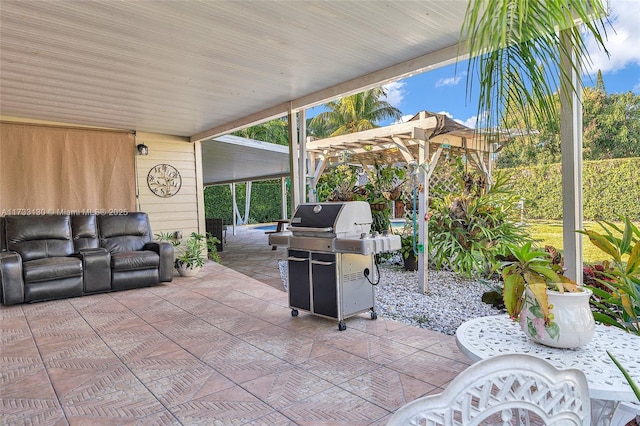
183, 211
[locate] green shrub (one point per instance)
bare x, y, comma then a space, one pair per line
470, 229
266, 201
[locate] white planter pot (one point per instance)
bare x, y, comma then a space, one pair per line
186, 271
571, 322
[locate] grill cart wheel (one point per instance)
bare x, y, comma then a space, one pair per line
342, 326
374, 315
294, 312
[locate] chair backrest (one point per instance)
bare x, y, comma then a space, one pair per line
505, 390
39, 236
122, 233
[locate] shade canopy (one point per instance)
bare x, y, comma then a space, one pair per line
203, 69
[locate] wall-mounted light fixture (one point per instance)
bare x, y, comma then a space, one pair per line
143, 149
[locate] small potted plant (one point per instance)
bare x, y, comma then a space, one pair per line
407, 250
552, 309
192, 255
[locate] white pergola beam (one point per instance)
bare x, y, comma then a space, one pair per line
404, 151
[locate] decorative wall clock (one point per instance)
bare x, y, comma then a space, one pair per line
164, 180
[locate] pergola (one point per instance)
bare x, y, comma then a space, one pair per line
419, 142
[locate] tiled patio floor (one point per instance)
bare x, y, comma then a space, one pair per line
217, 349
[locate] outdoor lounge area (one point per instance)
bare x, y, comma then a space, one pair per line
220, 348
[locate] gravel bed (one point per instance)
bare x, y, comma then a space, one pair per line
450, 299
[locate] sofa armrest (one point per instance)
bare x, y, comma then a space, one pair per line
11, 282
165, 251
96, 270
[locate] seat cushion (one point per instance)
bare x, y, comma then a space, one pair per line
134, 260
51, 268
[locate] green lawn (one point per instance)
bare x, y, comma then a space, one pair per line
550, 232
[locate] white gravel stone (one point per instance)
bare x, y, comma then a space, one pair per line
450, 299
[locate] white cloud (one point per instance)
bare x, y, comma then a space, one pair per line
450, 81
469, 122
622, 41
395, 92
404, 118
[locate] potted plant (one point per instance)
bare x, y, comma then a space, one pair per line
407, 250
191, 253
552, 309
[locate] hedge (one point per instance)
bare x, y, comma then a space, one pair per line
610, 188
266, 201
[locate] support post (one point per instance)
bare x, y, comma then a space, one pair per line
571, 145
302, 166
247, 202
283, 190
293, 159
423, 196
235, 206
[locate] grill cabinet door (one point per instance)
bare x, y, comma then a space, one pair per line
325, 288
298, 275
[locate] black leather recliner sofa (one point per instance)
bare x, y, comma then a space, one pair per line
48, 257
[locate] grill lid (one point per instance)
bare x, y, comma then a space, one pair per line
332, 220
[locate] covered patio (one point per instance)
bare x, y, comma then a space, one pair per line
220, 348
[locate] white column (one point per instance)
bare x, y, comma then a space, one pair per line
283, 190
571, 145
293, 160
302, 164
234, 206
423, 196
247, 202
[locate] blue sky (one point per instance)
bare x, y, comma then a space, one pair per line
443, 90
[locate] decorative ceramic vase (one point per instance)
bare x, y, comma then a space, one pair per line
571, 322
186, 271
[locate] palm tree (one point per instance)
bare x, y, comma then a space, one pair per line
274, 131
516, 49
353, 113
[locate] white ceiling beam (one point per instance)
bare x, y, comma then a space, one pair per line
430, 61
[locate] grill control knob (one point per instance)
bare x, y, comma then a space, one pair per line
317, 208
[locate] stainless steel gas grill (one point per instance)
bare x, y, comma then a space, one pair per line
331, 259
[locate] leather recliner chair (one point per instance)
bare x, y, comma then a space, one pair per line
40, 261
136, 260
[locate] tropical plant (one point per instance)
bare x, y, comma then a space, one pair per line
634, 386
212, 248
192, 252
516, 50
535, 269
353, 113
189, 253
338, 184
470, 228
274, 131
618, 303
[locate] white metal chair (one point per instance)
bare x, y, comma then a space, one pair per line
512, 389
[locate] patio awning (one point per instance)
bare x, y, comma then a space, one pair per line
228, 159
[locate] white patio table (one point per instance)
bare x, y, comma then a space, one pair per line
611, 395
